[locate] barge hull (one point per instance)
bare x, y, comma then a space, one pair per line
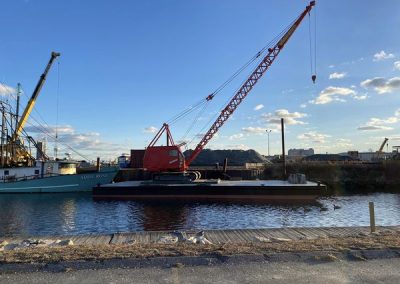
229, 191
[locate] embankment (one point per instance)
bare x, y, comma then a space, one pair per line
346, 178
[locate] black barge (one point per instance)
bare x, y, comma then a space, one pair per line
228, 190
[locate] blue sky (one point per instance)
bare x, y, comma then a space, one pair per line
128, 66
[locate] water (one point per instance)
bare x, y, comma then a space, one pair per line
71, 214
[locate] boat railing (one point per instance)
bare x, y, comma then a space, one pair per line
13, 178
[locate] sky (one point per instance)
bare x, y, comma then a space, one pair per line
126, 67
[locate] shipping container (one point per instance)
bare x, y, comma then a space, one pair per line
137, 158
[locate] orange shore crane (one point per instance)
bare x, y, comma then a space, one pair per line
170, 158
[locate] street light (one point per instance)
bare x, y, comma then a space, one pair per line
268, 132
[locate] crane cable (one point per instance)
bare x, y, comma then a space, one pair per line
230, 79
197, 105
313, 55
43, 126
57, 104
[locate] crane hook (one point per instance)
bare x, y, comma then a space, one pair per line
313, 78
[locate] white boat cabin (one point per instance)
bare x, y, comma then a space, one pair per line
41, 169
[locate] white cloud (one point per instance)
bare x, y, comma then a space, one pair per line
380, 124
150, 129
88, 145
331, 94
337, 75
236, 136
343, 143
343, 140
258, 107
237, 147
214, 146
254, 130
50, 130
303, 105
397, 65
381, 85
6, 90
374, 127
382, 55
291, 118
331, 66
313, 137
360, 97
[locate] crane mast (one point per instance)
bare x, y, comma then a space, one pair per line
244, 90
15, 151
32, 100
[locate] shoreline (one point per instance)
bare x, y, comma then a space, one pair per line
203, 248
216, 236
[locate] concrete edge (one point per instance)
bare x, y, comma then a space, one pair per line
313, 257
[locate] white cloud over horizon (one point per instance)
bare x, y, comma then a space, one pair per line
238, 136
382, 55
89, 145
343, 143
214, 146
150, 129
380, 124
291, 118
254, 130
314, 137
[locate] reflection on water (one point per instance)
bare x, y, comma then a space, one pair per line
68, 214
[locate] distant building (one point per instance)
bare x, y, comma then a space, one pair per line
328, 158
373, 156
298, 154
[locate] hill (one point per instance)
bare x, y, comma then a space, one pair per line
235, 157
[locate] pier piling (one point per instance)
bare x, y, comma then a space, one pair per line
372, 217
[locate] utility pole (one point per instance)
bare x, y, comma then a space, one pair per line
283, 148
268, 132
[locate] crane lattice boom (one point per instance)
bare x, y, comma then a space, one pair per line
170, 158
248, 85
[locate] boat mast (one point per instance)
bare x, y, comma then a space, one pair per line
17, 107
3, 121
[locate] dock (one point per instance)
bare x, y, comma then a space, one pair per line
223, 236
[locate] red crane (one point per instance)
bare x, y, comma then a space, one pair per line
170, 158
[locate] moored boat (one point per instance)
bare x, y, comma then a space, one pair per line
21, 172
52, 177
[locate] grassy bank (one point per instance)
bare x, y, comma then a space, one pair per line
345, 178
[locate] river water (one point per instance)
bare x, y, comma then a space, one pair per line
72, 214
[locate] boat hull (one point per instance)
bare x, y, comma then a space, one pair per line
228, 191
61, 183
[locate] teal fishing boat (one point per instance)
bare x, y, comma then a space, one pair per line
52, 177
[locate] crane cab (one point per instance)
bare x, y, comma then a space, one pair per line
164, 159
